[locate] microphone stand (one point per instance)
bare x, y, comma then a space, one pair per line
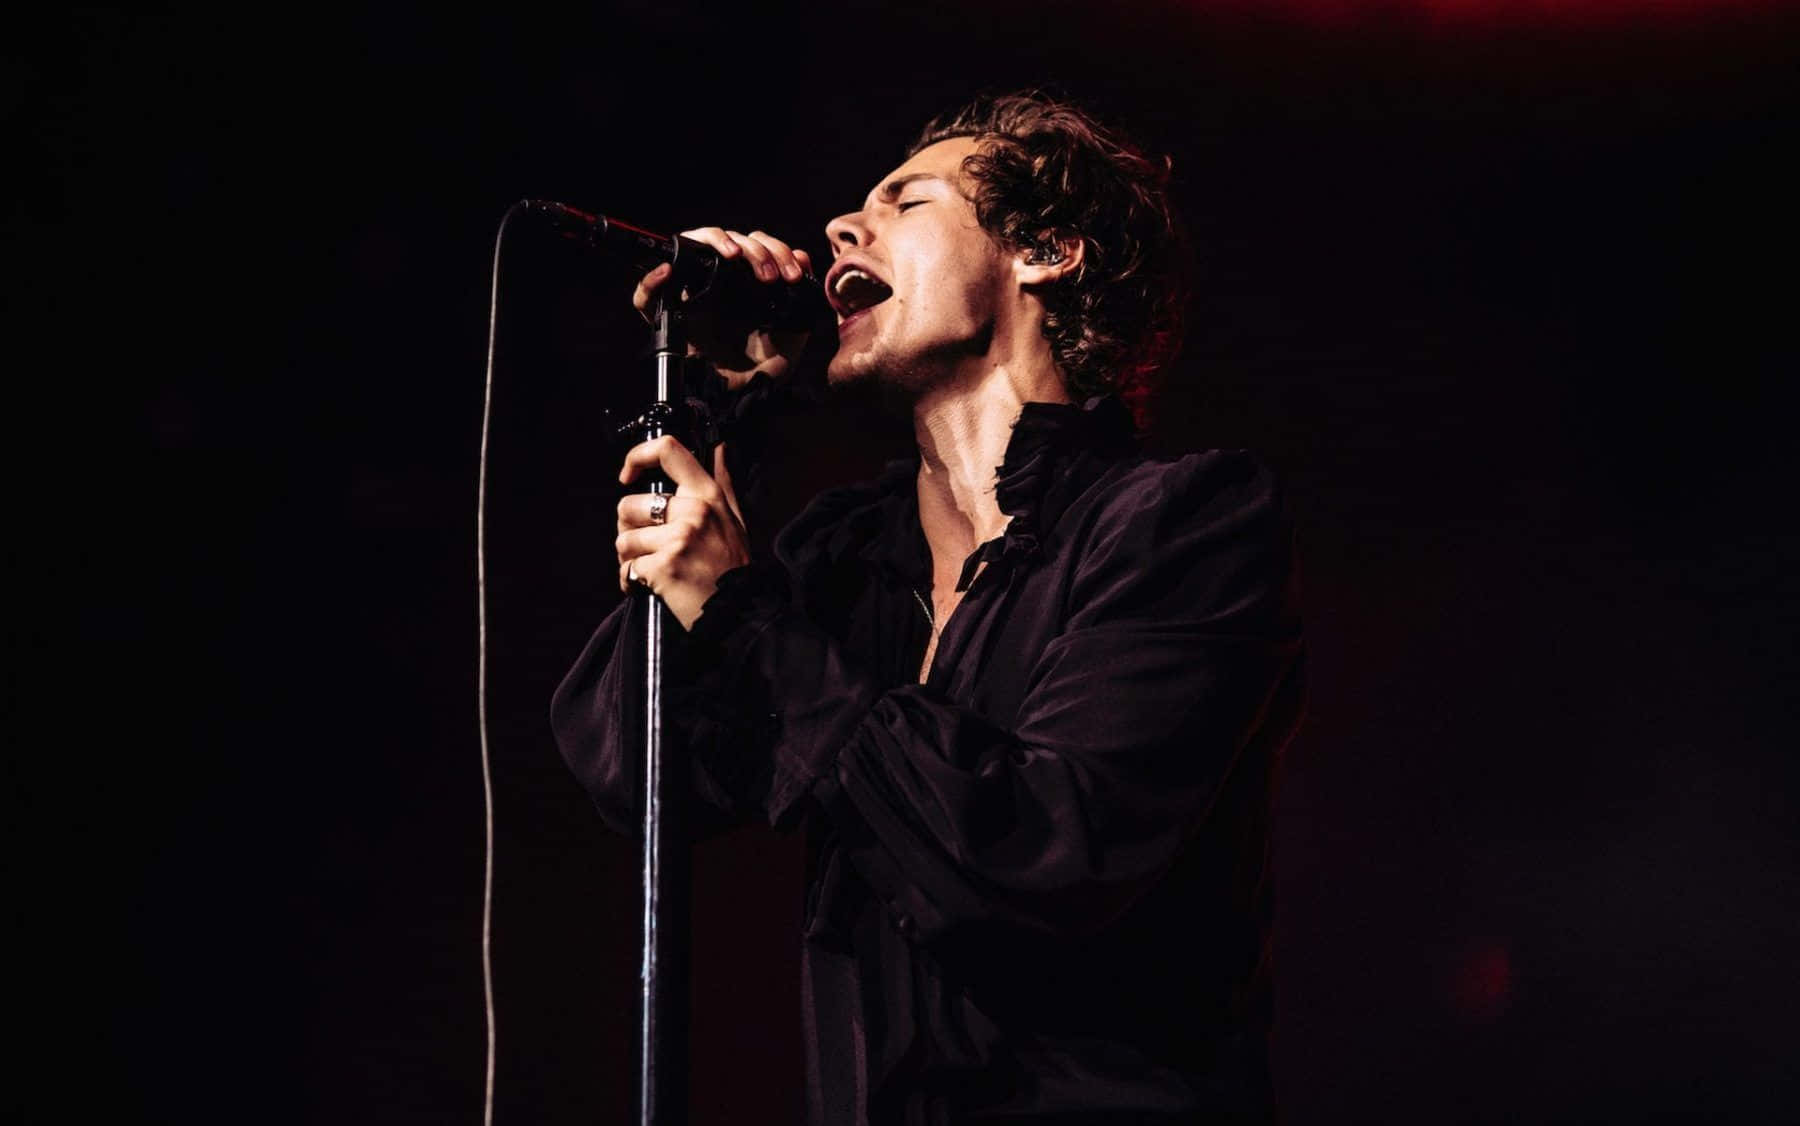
668, 851
729, 288
663, 1034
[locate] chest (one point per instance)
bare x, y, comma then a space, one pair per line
938, 609
975, 647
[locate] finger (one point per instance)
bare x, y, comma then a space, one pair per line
648, 285
805, 260
781, 253
633, 544
630, 573
716, 237
758, 255
635, 510
640, 571
673, 459
722, 477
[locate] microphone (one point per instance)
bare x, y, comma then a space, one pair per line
726, 288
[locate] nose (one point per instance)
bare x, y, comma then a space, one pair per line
847, 232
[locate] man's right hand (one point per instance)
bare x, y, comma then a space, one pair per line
765, 351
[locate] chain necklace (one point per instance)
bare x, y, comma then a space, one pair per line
931, 643
930, 618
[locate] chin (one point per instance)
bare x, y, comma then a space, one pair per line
847, 369
897, 376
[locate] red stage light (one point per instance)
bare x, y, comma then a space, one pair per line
1481, 980
1338, 13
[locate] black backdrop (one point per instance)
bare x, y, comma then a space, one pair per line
1505, 298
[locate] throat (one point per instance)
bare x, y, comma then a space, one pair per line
958, 512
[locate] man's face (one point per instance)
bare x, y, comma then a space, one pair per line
916, 281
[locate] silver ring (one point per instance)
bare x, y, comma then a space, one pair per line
659, 508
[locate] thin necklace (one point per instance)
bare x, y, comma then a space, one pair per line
930, 618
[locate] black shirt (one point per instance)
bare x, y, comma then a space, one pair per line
1038, 883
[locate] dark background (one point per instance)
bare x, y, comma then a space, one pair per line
1507, 298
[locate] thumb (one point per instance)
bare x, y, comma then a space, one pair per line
722, 476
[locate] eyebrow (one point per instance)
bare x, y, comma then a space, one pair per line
890, 191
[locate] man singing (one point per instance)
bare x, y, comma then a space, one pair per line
1024, 693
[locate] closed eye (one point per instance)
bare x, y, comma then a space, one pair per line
909, 204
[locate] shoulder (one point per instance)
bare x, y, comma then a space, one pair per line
1211, 493
1203, 530
841, 522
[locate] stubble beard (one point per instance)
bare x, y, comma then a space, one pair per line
899, 380
878, 373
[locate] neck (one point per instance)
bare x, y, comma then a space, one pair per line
962, 426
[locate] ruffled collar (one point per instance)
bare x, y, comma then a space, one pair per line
1039, 474
1046, 442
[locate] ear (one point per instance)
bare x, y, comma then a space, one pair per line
1051, 259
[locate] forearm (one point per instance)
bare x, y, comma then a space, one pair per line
597, 717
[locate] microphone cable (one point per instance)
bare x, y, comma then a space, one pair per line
481, 663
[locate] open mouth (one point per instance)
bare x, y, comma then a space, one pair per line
853, 290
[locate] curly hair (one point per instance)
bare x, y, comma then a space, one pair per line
1047, 171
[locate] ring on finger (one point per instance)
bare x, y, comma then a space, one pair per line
659, 508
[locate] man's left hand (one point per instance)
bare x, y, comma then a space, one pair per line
700, 537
